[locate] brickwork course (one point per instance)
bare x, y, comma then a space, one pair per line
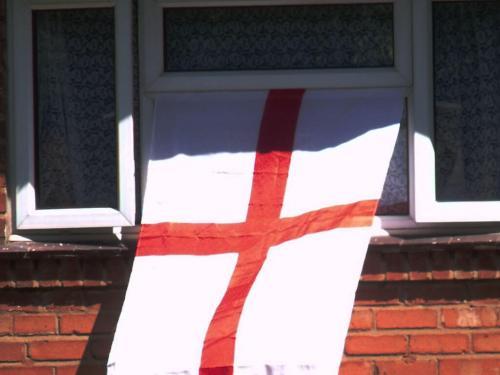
430, 308
58, 312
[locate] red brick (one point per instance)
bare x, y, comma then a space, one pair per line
396, 267
485, 292
18, 370
469, 317
5, 324
355, 368
370, 293
61, 299
441, 265
24, 272
11, 351
103, 322
67, 370
77, 323
464, 265
487, 267
93, 273
383, 344
373, 268
34, 324
8, 306
437, 292
71, 272
439, 343
57, 350
419, 267
361, 320
48, 273
407, 318
406, 367
486, 366
6, 274
486, 342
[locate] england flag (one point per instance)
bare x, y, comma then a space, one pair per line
255, 225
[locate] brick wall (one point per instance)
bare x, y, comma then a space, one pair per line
426, 310
418, 311
58, 312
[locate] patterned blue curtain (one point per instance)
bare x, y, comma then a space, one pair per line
467, 100
75, 108
279, 37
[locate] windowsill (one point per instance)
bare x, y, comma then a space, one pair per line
404, 227
474, 241
63, 249
123, 242
67, 249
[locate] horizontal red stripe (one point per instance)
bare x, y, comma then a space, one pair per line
206, 239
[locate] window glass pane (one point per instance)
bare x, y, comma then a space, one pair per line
467, 100
279, 37
75, 108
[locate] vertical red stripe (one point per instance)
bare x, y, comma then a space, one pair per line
272, 162
274, 147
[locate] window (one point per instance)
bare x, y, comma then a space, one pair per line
325, 36
242, 45
70, 111
456, 111
384, 24
453, 103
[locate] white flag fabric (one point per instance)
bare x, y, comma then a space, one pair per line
256, 221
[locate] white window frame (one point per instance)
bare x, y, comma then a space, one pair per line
412, 71
21, 121
424, 206
154, 80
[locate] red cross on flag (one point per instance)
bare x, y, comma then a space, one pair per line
256, 221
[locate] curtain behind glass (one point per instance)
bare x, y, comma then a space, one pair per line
467, 100
75, 108
279, 37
